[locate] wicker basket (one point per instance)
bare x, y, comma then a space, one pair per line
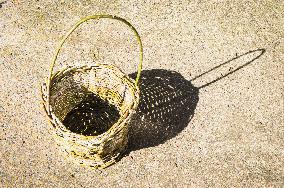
90, 106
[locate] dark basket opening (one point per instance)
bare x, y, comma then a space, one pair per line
92, 116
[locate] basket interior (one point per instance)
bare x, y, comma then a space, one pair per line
90, 100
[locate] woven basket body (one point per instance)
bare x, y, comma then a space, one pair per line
90, 107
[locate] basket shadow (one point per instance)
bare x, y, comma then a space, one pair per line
166, 106
168, 101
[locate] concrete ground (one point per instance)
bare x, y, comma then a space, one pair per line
231, 134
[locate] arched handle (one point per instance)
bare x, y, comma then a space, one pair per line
96, 17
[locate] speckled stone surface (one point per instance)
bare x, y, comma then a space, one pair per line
235, 137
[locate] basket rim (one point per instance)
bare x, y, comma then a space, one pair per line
116, 127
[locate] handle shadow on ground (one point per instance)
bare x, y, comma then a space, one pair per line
167, 104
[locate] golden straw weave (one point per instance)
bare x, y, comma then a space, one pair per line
90, 106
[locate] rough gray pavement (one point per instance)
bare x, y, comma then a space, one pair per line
236, 135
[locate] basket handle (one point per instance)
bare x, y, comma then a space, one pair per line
96, 17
